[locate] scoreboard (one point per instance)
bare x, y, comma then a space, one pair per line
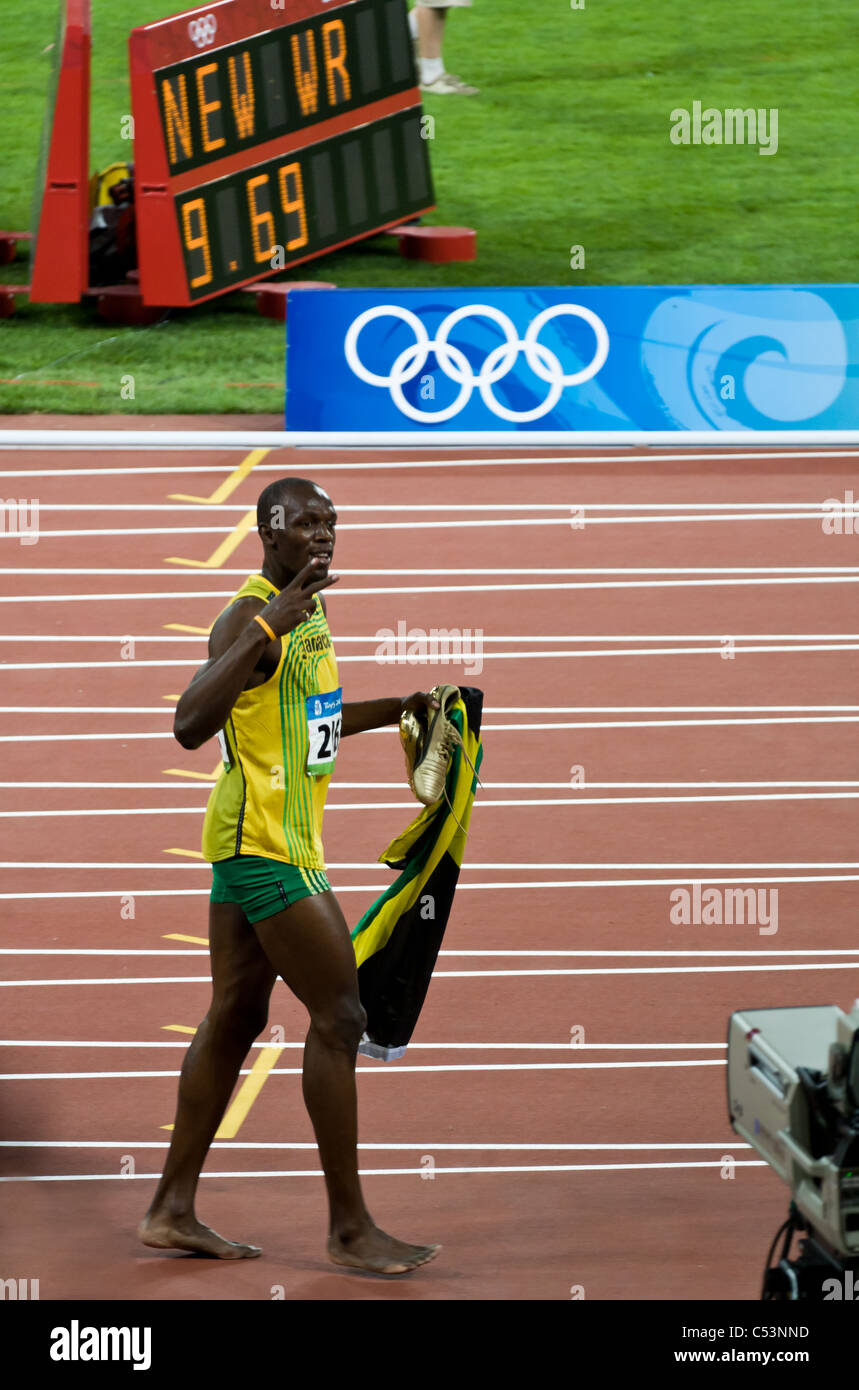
266, 134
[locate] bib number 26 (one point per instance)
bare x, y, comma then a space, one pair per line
324, 722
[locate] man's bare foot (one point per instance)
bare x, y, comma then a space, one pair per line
372, 1249
191, 1235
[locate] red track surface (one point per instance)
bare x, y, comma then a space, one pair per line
569, 1217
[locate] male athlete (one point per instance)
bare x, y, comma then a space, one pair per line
269, 690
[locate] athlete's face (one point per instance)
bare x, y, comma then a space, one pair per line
307, 531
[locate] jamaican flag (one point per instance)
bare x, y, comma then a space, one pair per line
398, 938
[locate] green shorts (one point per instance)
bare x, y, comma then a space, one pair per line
262, 887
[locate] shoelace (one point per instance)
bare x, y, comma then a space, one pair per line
450, 739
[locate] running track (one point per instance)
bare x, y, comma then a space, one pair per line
606, 648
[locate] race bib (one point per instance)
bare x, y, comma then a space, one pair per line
324, 720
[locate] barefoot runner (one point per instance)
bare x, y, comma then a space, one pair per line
269, 690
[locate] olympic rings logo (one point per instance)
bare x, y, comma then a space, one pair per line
203, 31
456, 367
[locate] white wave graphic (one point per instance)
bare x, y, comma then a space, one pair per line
687, 338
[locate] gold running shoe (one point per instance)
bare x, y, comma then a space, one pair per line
428, 749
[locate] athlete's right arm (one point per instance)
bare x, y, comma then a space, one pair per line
237, 645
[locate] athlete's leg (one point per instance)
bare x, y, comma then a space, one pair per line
309, 946
242, 981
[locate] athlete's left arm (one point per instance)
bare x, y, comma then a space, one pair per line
375, 714
361, 715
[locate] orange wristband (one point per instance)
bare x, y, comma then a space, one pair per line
264, 625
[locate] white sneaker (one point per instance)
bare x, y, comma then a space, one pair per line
448, 84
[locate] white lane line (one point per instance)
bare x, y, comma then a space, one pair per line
466, 662
617, 570
185, 951
824, 508
200, 784
451, 589
488, 709
474, 974
392, 1172
425, 1047
386, 1148
515, 885
770, 952
373, 1070
505, 803
485, 728
514, 457
496, 865
578, 520
487, 639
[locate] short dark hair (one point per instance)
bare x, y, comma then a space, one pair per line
276, 494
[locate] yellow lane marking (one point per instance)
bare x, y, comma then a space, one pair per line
224, 550
187, 853
229, 485
183, 627
195, 940
200, 776
247, 1093
171, 697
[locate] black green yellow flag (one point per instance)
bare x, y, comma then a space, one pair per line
397, 940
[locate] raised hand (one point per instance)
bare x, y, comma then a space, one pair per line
294, 604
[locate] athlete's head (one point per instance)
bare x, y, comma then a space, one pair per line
296, 521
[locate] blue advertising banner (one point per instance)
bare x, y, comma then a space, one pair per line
657, 358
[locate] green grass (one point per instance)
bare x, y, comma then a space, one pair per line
567, 144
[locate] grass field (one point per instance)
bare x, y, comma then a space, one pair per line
567, 144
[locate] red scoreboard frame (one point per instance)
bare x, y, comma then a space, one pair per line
265, 136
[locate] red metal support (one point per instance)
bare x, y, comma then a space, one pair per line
61, 256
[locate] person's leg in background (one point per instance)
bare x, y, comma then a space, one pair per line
427, 25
